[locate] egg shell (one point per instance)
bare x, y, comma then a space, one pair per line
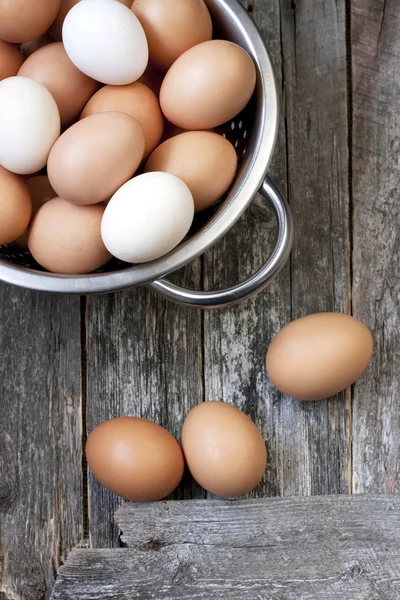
70, 88
15, 206
25, 20
29, 125
147, 217
135, 458
41, 192
106, 41
11, 60
65, 6
136, 100
205, 161
223, 448
172, 27
208, 85
94, 157
65, 238
319, 355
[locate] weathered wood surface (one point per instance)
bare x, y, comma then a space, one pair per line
40, 440
308, 444
144, 358
376, 239
345, 548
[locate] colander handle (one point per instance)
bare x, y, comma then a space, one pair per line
253, 284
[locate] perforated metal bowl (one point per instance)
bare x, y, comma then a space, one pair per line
253, 134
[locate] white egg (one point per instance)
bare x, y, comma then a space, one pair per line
106, 41
147, 217
29, 125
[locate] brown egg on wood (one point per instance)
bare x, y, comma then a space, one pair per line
65, 238
208, 85
135, 459
136, 100
15, 206
205, 161
11, 60
70, 88
95, 157
41, 192
65, 7
172, 27
24, 20
319, 355
224, 449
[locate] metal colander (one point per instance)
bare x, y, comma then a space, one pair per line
253, 134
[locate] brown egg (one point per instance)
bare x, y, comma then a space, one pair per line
65, 238
208, 85
172, 27
30, 47
70, 88
205, 161
319, 355
11, 59
65, 7
95, 157
25, 20
135, 459
170, 130
15, 206
136, 100
223, 448
41, 192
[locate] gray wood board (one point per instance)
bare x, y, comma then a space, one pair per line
309, 445
376, 239
341, 547
144, 358
40, 440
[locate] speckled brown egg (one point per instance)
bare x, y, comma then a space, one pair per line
70, 88
135, 458
65, 238
172, 27
25, 20
223, 448
15, 206
205, 161
208, 85
95, 157
11, 59
319, 355
136, 100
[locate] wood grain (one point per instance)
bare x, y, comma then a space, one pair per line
144, 358
40, 440
308, 444
309, 548
376, 239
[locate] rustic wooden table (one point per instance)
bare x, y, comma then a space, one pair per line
69, 363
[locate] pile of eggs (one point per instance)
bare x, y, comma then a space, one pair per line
107, 118
311, 358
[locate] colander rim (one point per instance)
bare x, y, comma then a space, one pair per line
197, 244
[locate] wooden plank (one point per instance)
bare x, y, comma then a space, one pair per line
309, 548
308, 444
376, 254
144, 358
40, 440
